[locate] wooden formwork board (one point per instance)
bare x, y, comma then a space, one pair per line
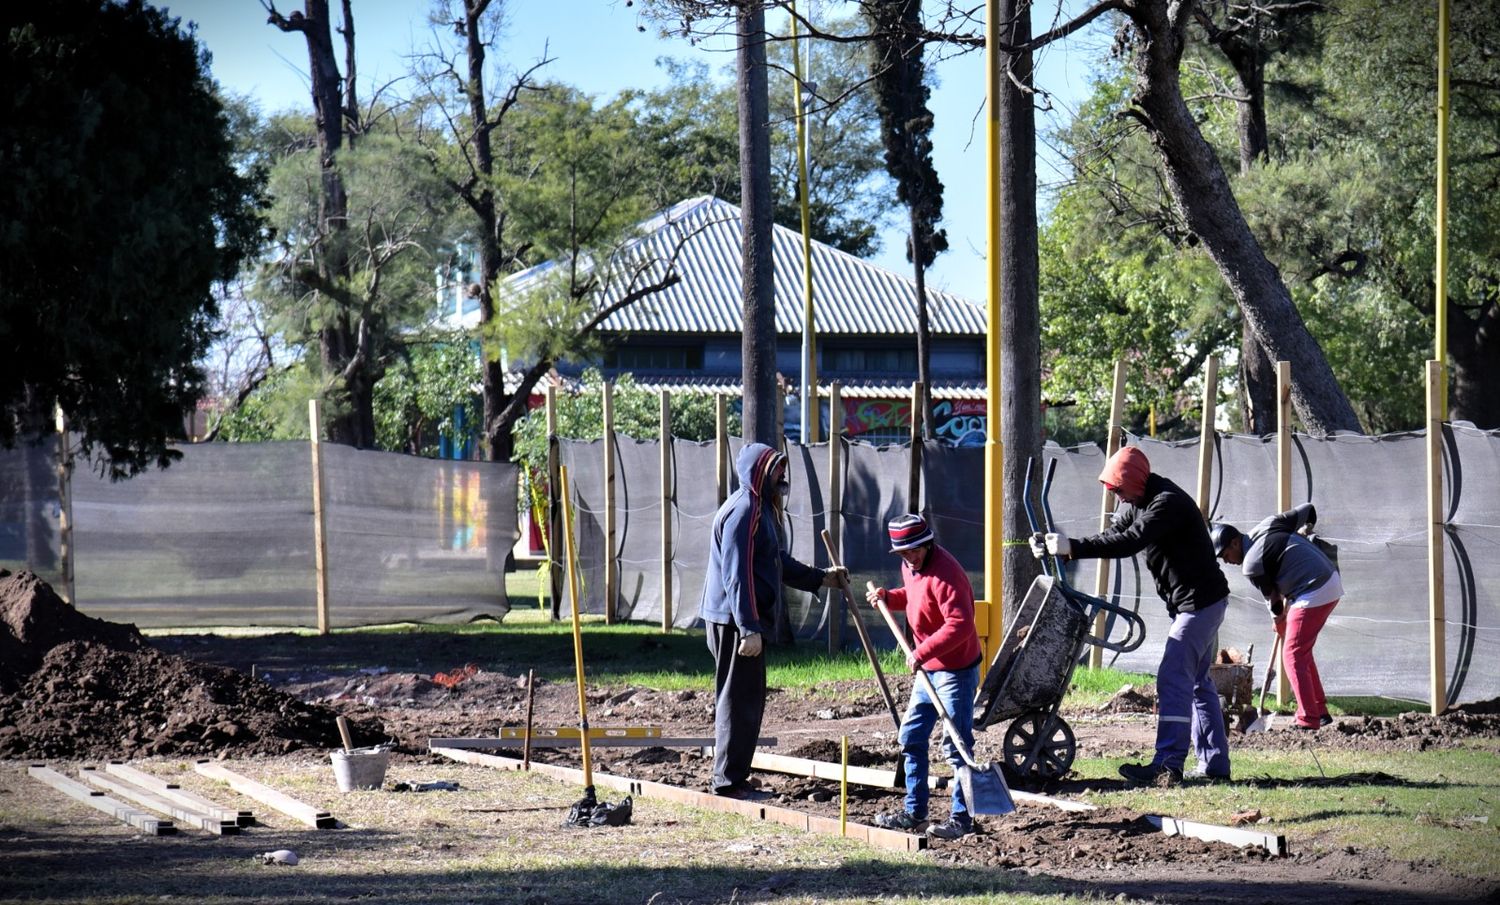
885, 839
76, 790
171, 791
181, 815
817, 769
507, 740
280, 801
1273, 843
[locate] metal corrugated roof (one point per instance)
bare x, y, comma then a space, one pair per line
859, 389
703, 237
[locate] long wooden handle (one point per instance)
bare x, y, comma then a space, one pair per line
343, 725
937, 702
864, 635
1270, 666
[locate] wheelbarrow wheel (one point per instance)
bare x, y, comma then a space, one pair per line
1039, 745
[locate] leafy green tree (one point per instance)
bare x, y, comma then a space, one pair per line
422, 395
120, 208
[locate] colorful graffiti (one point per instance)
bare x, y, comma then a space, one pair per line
961, 422
462, 508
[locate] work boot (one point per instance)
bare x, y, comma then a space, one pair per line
952, 828
901, 821
1211, 778
742, 792
1325, 720
1151, 774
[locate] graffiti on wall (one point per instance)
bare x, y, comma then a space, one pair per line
960, 422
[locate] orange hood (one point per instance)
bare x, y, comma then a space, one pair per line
1127, 470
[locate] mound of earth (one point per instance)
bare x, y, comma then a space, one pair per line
78, 687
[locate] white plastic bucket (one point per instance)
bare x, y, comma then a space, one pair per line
361, 768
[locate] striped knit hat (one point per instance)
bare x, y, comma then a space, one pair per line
908, 531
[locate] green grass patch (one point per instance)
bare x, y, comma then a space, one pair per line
1438, 805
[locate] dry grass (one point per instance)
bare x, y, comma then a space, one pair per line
499, 839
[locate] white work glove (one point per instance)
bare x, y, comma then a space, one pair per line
835, 577
1059, 545
1038, 545
750, 645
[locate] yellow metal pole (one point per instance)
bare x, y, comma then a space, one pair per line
809, 388
994, 450
1440, 294
571, 560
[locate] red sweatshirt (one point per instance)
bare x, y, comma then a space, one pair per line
939, 605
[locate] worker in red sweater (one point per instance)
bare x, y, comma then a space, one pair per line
939, 604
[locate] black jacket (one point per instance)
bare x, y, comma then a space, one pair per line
1170, 529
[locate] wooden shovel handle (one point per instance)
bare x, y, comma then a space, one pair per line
864, 634
1270, 667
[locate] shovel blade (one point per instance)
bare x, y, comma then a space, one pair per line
985, 791
1263, 723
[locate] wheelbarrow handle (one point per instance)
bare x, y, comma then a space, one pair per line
1031, 510
1057, 563
1135, 633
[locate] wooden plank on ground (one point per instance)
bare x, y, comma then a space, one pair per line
171, 791
272, 798
800, 766
880, 838
553, 771
76, 790
182, 815
1066, 804
595, 732
540, 741
1273, 843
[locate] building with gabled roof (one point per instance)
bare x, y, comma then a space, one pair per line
688, 336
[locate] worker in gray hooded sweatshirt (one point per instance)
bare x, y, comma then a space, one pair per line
747, 565
1301, 586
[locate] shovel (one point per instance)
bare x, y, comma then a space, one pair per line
582, 809
984, 788
1265, 719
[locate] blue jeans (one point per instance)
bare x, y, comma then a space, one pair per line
1188, 705
956, 692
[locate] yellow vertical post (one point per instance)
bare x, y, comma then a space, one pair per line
666, 511
320, 526
994, 450
1112, 445
1206, 432
570, 557
1440, 295
1436, 629
611, 565
809, 388
1283, 482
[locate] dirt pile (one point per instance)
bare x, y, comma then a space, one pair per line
78, 687
1423, 730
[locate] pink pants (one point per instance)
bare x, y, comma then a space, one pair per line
1302, 627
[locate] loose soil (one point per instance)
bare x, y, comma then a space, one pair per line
75, 688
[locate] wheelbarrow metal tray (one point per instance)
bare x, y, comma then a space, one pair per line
1032, 667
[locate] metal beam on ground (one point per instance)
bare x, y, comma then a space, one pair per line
272, 798
81, 793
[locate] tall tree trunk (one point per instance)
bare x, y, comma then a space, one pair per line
1474, 353
758, 347
924, 334
353, 420
1201, 189
1019, 419
1257, 385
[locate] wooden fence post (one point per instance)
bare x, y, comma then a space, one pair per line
1112, 443
721, 445
914, 462
65, 509
1437, 637
666, 511
1206, 432
611, 564
320, 527
835, 503
554, 505
1283, 483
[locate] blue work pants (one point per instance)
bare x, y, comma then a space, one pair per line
955, 690
1188, 711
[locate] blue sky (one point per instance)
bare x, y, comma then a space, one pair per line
596, 46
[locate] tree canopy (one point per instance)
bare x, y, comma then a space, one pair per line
120, 208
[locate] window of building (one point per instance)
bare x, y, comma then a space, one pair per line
655, 358
870, 361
